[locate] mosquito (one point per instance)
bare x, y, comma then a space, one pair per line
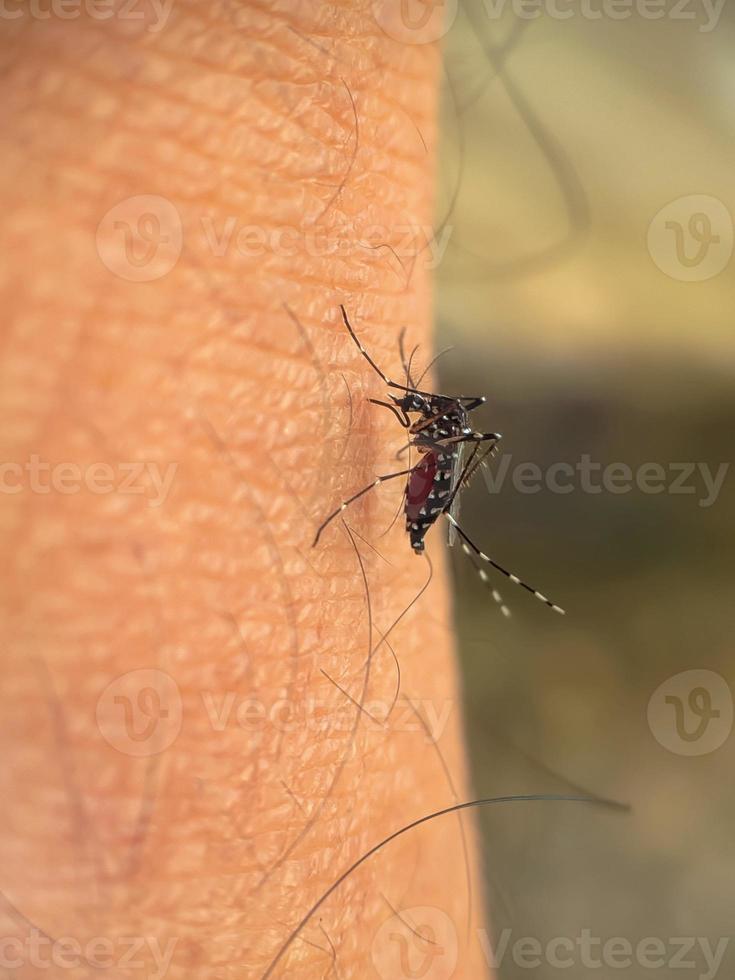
439, 429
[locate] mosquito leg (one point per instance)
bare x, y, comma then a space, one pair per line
468, 467
365, 354
499, 568
476, 437
474, 400
374, 366
465, 468
490, 453
354, 497
486, 579
403, 419
438, 444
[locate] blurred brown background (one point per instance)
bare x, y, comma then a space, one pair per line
563, 140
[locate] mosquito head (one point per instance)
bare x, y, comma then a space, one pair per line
413, 402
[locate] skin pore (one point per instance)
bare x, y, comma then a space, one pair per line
201, 727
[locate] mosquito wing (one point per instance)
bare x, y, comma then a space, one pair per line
457, 467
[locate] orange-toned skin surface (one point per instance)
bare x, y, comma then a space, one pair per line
184, 756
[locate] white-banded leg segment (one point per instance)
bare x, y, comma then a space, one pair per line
503, 571
374, 366
471, 465
486, 579
482, 461
368, 358
346, 503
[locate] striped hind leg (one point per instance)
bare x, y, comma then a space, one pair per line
356, 496
486, 579
499, 568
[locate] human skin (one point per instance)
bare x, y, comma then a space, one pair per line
201, 729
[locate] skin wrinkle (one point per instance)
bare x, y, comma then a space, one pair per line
288, 600
217, 587
314, 816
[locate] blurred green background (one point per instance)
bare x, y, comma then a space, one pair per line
562, 142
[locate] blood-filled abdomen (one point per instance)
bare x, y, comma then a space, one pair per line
420, 484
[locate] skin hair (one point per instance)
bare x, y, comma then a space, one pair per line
193, 721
